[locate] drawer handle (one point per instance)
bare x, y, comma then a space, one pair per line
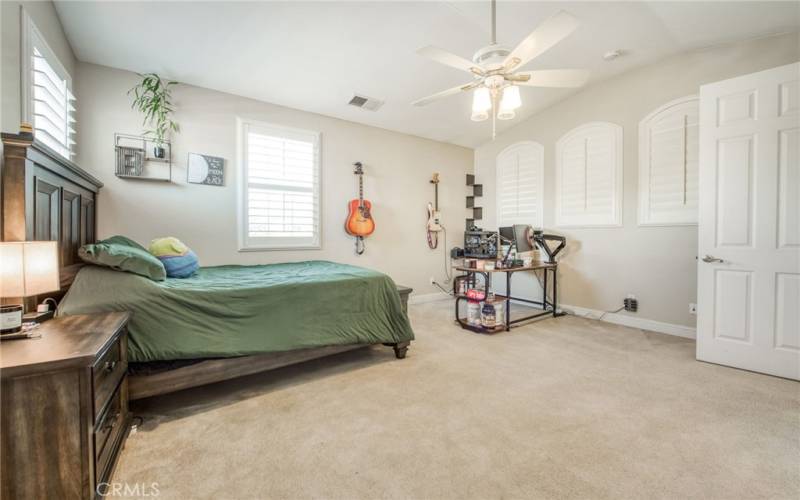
109, 366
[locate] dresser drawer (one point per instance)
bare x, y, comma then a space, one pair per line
109, 430
107, 371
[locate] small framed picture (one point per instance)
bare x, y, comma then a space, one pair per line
204, 169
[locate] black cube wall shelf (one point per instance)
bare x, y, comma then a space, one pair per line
477, 191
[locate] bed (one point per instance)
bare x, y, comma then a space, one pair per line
225, 322
229, 311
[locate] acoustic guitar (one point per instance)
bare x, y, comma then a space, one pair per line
359, 218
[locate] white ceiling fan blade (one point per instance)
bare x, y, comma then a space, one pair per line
568, 78
448, 58
445, 93
547, 34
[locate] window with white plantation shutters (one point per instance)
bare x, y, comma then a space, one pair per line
280, 195
589, 176
519, 189
668, 164
48, 101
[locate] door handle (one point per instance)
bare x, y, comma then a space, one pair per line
710, 258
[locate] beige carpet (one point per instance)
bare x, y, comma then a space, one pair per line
562, 408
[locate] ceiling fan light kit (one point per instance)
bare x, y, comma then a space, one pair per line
509, 102
481, 104
494, 69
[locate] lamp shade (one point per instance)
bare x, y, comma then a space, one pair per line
479, 116
511, 99
481, 100
28, 268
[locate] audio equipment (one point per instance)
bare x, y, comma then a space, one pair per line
480, 244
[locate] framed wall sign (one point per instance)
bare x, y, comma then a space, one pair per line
204, 169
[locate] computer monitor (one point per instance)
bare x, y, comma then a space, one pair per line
507, 235
520, 238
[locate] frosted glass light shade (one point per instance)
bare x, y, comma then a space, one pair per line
28, 268
511, 99
481, 100
479, 116
506, 114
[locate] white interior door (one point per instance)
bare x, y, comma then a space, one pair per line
749, 223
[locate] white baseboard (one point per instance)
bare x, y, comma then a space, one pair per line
641, 323
416, 298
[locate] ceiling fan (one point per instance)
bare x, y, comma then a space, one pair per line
495, 69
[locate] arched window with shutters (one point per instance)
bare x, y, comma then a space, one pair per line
668, 164
589, 176
520, 184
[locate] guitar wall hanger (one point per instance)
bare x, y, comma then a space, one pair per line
359, 221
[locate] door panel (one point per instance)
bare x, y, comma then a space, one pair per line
734, 191
787, 312
733, 306
736, 107
789, 188
749, 233
789, 98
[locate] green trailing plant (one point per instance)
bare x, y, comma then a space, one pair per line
152, 96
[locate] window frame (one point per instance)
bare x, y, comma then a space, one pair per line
539, 152
30, 37
616, 219
644, 216
259, 244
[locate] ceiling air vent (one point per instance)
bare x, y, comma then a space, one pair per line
364, 102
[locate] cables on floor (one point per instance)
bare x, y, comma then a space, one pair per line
447, 271
598, 318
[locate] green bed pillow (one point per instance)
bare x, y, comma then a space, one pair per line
123, 240
123, 254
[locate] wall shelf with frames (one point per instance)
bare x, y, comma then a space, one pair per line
135, 158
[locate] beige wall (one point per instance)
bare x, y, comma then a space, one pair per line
657, 264
46, 19
397, 167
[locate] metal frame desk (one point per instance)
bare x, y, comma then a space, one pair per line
548, 307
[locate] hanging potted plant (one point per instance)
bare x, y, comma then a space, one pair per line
152, 97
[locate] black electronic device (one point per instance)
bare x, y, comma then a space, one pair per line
456, 253
480, 244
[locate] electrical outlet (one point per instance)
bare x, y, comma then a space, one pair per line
692, 308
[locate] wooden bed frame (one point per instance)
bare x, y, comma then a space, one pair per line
46, 197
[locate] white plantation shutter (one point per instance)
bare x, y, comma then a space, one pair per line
668, 164
50, 105
53, 110
520, 175
589, 176
281, 192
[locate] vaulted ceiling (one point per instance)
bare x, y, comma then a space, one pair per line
315, 55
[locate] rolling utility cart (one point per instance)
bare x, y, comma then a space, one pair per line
547, 307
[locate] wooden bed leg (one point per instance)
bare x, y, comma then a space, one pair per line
400, 349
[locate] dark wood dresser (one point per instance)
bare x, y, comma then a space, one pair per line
64, 407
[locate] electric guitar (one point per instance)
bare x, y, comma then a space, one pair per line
359, 218
434, 224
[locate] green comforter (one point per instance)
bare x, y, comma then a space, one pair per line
239, 310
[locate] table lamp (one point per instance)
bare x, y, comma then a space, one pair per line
27, 268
